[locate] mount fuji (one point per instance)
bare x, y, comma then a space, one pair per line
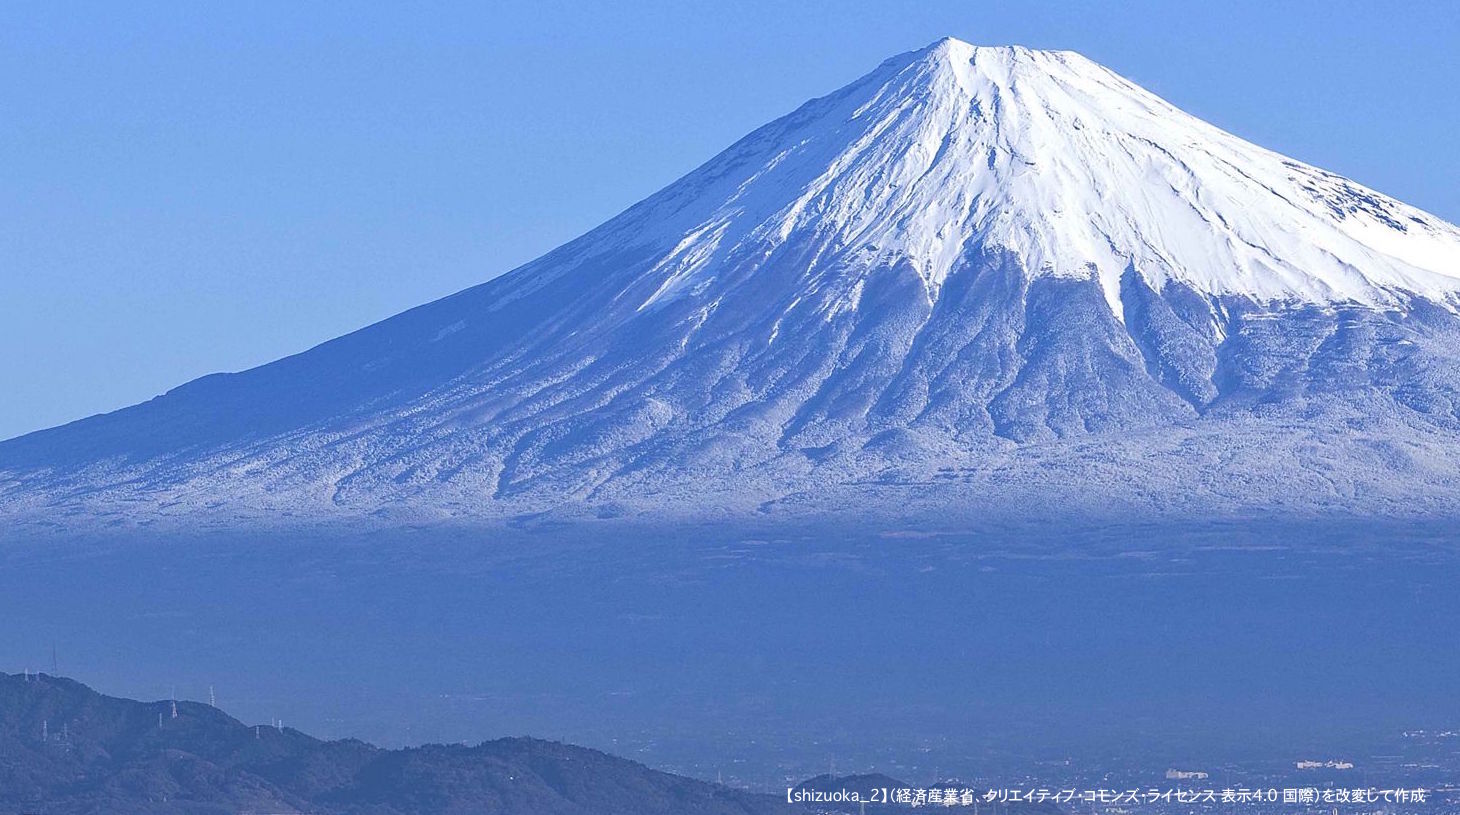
976, 280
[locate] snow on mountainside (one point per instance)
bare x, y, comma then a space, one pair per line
1063, 163
983, 276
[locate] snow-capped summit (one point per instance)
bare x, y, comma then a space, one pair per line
1062, 162
994, 273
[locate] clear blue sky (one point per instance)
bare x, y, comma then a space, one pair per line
194, 187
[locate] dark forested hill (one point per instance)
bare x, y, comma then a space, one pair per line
66, 749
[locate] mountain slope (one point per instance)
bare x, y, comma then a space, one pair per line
969, 259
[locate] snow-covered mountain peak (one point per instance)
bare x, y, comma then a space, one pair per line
998, 64
1075, 170
991, 275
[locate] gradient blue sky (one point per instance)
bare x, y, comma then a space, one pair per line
195, 187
